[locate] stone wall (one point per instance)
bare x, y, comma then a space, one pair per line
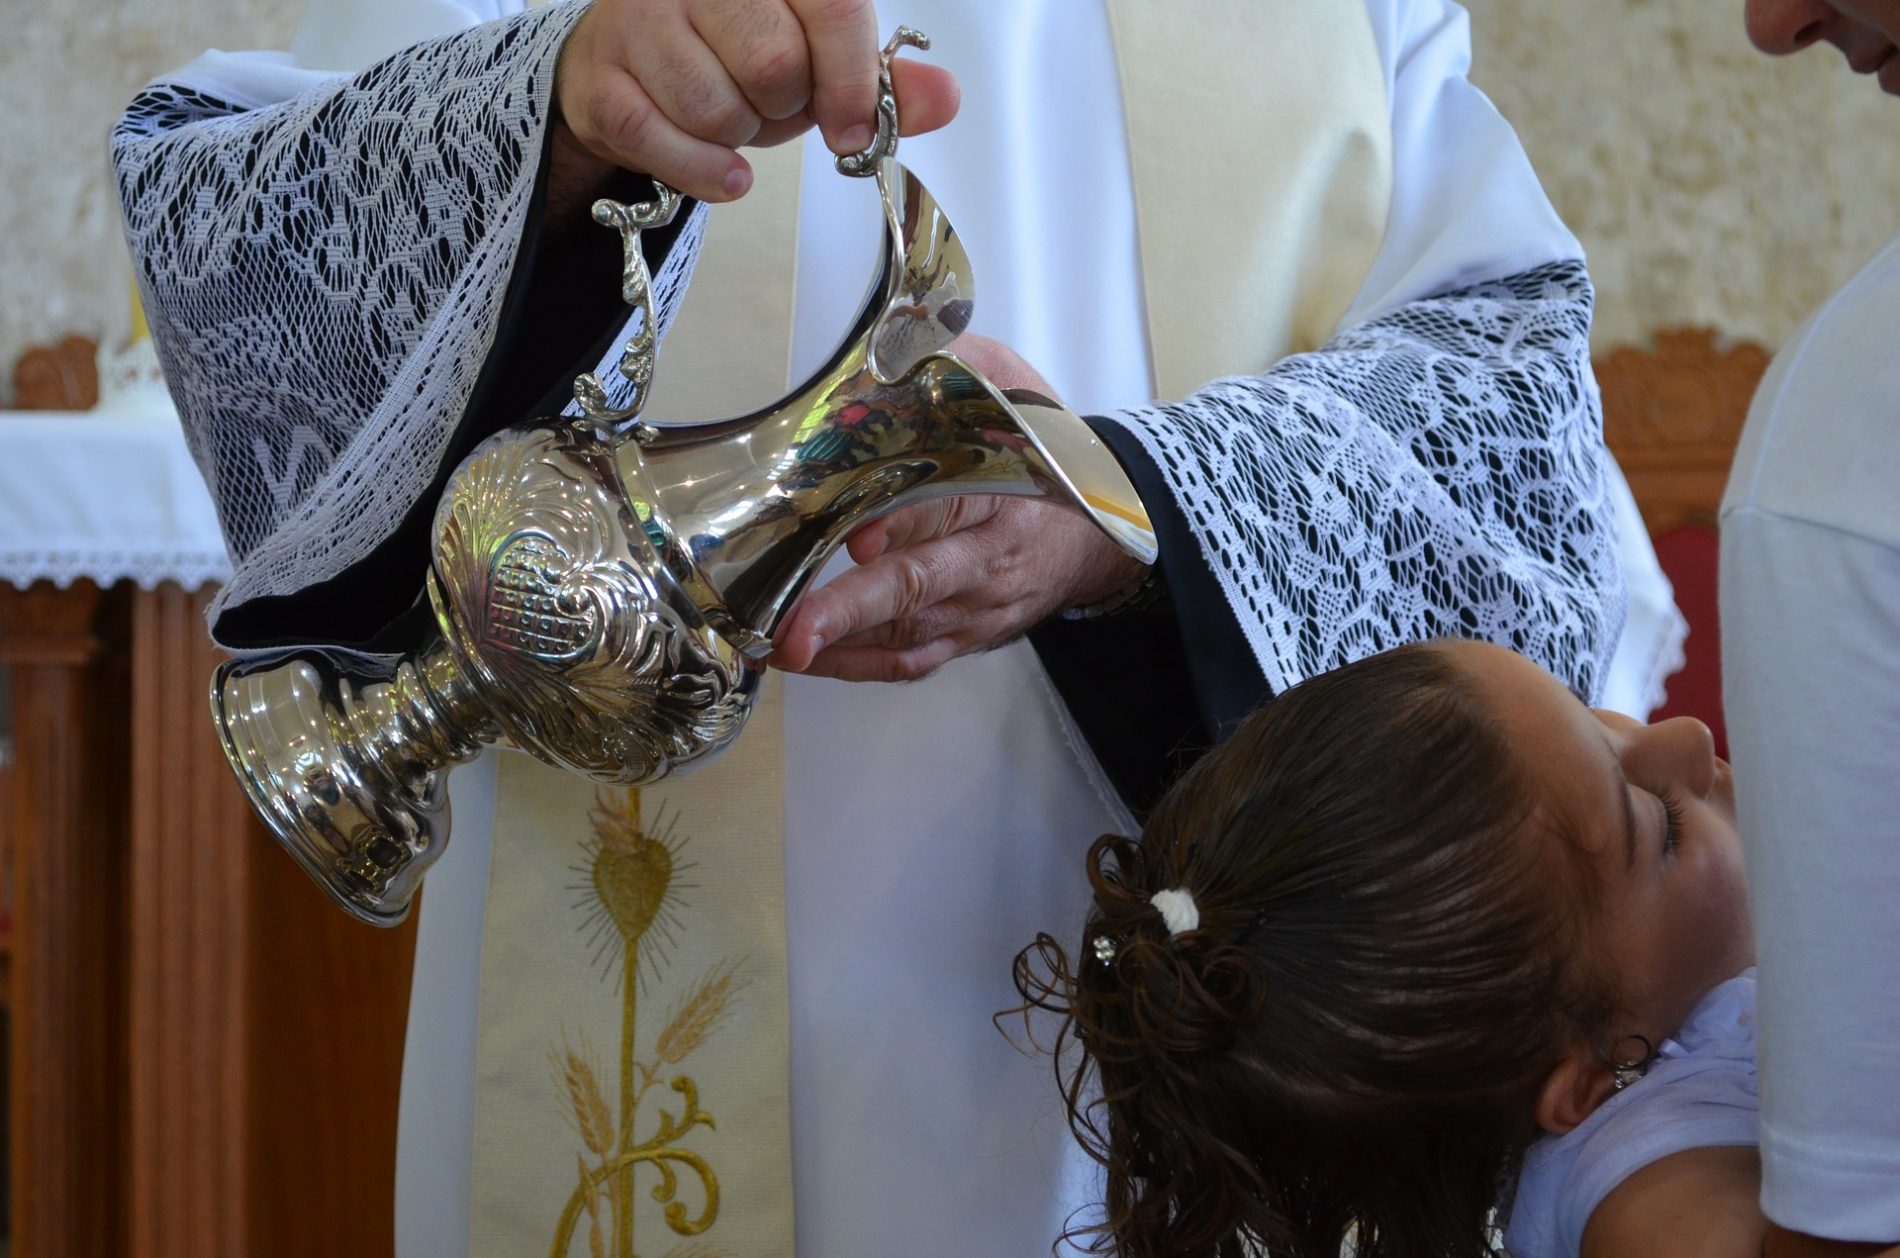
69, 67
1709, 184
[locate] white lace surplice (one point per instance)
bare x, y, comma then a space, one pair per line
324, 274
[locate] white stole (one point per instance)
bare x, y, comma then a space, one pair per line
1242, 160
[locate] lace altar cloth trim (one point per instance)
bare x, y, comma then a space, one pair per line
1435, 472
146, 569
105, 498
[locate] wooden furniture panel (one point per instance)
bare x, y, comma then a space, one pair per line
66, 837
271, 1024
206, 1051
327, 1004
191, 848
1672, 416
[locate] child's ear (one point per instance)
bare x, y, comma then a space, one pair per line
1572, 1091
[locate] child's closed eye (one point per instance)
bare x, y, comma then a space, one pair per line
1672, 821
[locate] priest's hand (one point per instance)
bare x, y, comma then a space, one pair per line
955, 576
672, 88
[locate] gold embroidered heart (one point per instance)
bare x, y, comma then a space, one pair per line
631, 880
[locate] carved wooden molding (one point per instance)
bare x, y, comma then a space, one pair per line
62, 377
1672, 416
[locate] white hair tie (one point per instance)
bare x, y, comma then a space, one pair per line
1178, 910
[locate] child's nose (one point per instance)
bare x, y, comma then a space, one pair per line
1685, 749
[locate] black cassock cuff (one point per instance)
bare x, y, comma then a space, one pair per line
1152, 690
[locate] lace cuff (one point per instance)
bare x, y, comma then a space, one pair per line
323, 278
1438, 471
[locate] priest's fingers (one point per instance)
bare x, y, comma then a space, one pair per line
613, 118
871, 663
842, 36
927, 98
689, 80
905, 650
976, 587
923, 521
762, 46
670, 88
959, 618
895, 587
1005, 368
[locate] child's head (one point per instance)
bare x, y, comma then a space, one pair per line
1438, 898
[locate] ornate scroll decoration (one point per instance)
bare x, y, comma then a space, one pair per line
552, 605
636, 289
628, 890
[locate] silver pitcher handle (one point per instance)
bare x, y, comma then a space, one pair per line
636, 284
862, 165
636, 289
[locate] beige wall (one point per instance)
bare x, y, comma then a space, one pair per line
1708, 183
66, 69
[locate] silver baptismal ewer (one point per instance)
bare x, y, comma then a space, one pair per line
605, 590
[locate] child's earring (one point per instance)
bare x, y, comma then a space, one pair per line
1104, 949
1627, 1068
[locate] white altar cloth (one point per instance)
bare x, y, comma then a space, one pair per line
106, 497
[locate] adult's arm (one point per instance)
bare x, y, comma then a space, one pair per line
355, 277
1151, 690
1700, 1203
1467, 209
1470, 331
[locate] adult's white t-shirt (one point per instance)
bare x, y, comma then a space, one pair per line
1810, 603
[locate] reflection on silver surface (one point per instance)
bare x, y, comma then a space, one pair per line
604, 594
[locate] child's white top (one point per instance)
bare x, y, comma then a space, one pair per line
1699, 1094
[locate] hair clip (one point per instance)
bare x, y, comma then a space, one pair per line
1628, 1070
1178, 910
1104, 949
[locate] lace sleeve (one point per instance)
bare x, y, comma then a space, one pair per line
1437, 471
324, 278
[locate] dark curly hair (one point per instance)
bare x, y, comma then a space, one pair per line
1388, 963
